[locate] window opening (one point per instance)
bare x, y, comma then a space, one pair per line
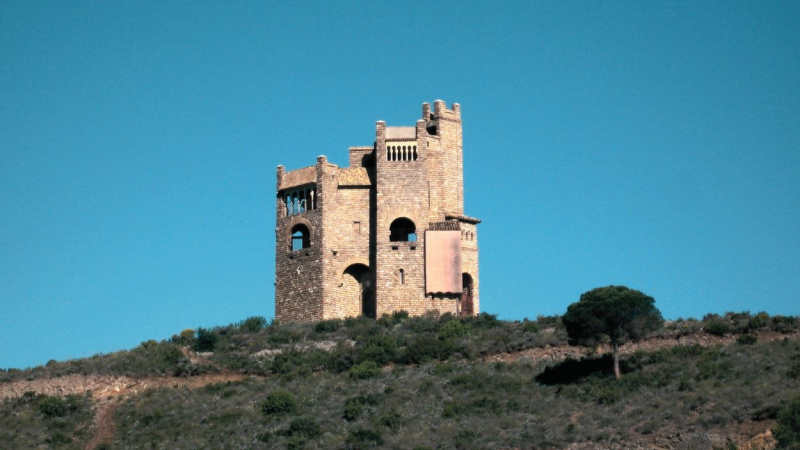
300, 200
402, 276
301, 238
402, 230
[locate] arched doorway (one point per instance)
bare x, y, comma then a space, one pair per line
358, 285
466, 309
368, 306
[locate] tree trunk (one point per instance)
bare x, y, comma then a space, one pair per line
616, 359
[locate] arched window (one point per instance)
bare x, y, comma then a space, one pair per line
402, 230
301, 238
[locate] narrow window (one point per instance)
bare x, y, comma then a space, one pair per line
402, 276
356, 228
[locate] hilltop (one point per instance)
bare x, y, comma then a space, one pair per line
414, 382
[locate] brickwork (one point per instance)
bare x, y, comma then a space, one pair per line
353, 264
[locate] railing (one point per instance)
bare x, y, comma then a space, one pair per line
401, 152
300, 200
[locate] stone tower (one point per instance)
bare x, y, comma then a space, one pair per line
386, 233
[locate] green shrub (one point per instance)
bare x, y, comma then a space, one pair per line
787, 430
306, 427
171, 354
391, 419
58, 439
367, 369
149, 344
362, 438
484, 320
389, 320
784, 324
279, 402
280, 336
53, 407
206, 340
464, 438
530, 327
452, 330
758, 321
747, 339
717, 328
187, 335
381, 349
794, 370
426, 347
453, 409
327, 326
253, 324
354, 406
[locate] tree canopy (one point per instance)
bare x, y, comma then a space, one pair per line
616, 312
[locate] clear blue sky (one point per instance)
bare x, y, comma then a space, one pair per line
650, 144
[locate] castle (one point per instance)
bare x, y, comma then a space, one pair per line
387, 233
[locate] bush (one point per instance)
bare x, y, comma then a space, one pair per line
717, 328
484, 320
253, 324
464, 438
367, 369
747, 339
395, 318
424, 348
453, 409
381, 349
187, 335
53, 407
784, 324
305, 427
327, 326
206, 340
354, 406
758, 321
171, 354
787, 430
530, 327
362, 438
391, 420
794, 371
279, 402
452, 330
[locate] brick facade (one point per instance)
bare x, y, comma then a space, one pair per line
344, 245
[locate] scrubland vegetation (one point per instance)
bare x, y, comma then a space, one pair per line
424, 382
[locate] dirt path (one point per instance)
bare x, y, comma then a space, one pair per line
107, 400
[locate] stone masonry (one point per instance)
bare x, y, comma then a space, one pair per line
352, 241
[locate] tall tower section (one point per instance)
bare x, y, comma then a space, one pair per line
445, 164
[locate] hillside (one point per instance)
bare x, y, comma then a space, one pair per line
414, 382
